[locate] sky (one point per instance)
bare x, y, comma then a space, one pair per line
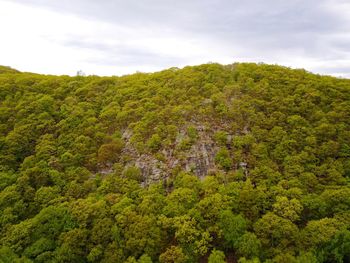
117, 37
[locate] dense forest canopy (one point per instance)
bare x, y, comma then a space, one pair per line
237, 163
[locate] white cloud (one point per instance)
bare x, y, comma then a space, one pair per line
29, 39
45, 41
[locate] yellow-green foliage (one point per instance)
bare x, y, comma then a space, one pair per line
69, 191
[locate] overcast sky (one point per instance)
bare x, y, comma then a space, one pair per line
115, 37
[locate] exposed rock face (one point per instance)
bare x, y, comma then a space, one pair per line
201, 155
198, 159
152, 169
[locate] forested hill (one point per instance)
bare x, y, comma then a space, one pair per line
236, 163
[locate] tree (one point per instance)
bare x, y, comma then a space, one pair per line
109, 153
233, 228
275, 231
249, 246
144, 259
288, 209
133, 173
180, 201
223, 159
337, 249
154, 143
216, 256
173, 255
318, 232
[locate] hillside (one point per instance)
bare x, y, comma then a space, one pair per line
220, 163
5, 69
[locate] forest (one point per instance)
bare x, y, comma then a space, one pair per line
243, 163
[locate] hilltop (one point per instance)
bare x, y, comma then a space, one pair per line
6, 70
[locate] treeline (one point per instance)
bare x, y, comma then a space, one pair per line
72, 192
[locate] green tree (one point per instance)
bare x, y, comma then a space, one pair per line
249, 246
110, 152
173, 255
233, 228
216, 256
223, 159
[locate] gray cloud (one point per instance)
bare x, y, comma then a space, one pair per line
116, 54
270, 30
